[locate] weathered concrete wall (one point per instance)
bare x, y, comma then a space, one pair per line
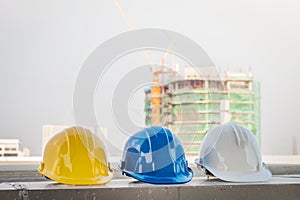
277, 188
33, 175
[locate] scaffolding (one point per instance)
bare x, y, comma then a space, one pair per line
193, 105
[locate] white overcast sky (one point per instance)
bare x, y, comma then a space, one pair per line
44, 43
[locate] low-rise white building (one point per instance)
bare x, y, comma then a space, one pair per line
9, 147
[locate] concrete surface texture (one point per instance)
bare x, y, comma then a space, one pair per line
198, 188
24, 182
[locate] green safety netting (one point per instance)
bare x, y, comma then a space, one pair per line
201, 106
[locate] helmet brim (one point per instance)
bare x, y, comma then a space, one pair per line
257, 176
79, 181
161, 180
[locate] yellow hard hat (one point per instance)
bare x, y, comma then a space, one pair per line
76, 156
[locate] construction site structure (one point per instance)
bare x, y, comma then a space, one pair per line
194, 103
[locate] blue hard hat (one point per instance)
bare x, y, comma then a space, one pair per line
155, 155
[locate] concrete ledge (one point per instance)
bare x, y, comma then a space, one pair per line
33, 175
28, 184
277, 188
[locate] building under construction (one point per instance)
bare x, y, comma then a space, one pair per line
193, 104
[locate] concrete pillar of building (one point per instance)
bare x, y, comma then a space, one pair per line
225, 115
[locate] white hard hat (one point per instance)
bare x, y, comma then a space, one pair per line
230, 152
